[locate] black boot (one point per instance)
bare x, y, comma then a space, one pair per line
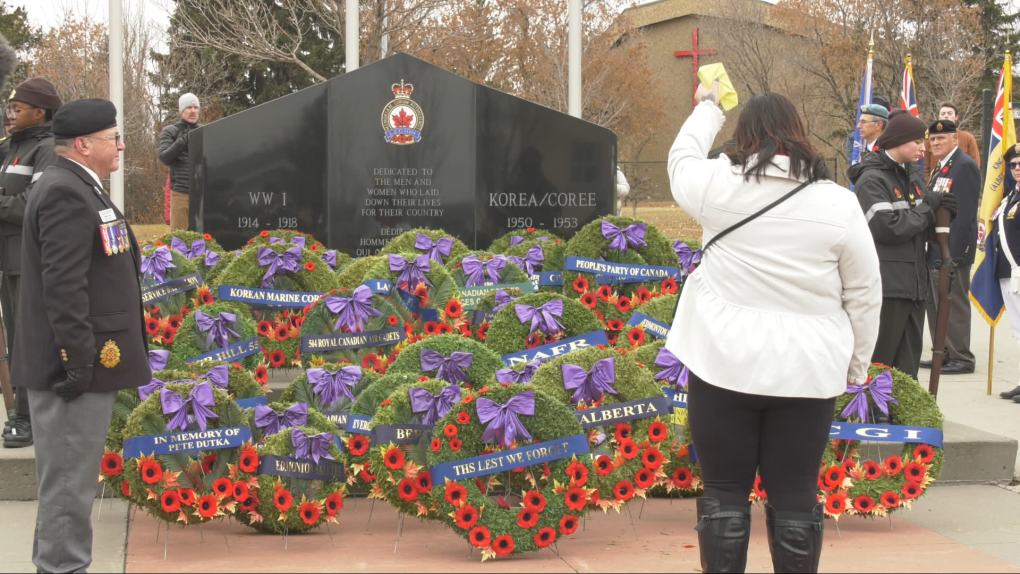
723, 535
1010, 394
795, 539
20, 435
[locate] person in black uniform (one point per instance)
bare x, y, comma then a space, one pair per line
953, 171
1008, 213
80, 336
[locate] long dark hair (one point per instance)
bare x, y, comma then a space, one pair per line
768, 126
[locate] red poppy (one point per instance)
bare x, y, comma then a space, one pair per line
590, 300
309, 266
578, 474
168, 335
453, 308
479, 537
283, 500
759, 489
603, 465
580, 284
335, 503
370, 362
835, 476
872, 470
911, 490
483, 331
309, 512
445, 328
424, 482
251, 503
545, 537
657, 432
945, 170
158, 244
924, 453
890, 499
624, 490
643, 295
623, 304
848, 466
644, 478
466, 517
682, 477
527, 518
534, 500
652, 458
669, 286
450, 431
277, 359
568, 525
187, 496
576, 498
223, 487
615, 325
393, 320
239, 491
394, 459
622, 432
605, 292
835, 504
629, 449
504, 545
467, 400
385, 403
431, 328
170, 501
893, 465
112, 464
464, 418
455, 445
313, 247
915, 472
864, 504
207, 237
206, 297
636, 336
125, 488
408, 490
207, 463
599, 315
175, 322
455, 494
152, 472
264, 234
262, 374
185, 311
208, 506
357, 445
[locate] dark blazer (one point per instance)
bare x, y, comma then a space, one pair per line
962, 178
1011, 230
75, 299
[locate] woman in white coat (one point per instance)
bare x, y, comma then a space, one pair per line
781, 315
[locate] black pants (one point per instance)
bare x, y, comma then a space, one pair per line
9, 300
900, 335
736, 434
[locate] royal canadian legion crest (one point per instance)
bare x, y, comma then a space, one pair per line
402, 119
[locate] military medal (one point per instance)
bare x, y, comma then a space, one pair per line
109, 356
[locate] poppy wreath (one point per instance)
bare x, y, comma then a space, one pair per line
507, 334
190, 488
353, 274
533, 253
357, 446
313, 274
850, 484
441, 287
287, 237
540, 504
201, 249
553, 252
480, 331
402, 475
631, 457
280, 504
314, 419
590, 243
405, 244
483, 362
169, 311
320, 320
505, 242
303, 391
190, 342
510, 273
616, 309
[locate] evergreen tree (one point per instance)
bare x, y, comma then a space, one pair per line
1001, 30
22, 37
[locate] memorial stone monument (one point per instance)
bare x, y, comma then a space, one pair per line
393, 146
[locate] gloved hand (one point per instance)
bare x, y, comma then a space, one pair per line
77, 383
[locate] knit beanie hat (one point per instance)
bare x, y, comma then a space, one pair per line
38, 93
903, 127
186, 101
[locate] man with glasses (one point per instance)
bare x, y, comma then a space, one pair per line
173, 152
30, 111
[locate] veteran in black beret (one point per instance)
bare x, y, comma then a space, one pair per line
80, 337
954, 172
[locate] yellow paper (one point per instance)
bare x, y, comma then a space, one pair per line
727, 95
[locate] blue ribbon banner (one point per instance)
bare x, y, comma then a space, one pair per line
471, 296
885, 433
507, 460
170, 287
557, 349
233, 353
338, 418
547, 279
399, 434
267, 297
340, 341
252, 402
358, 424
304, 468
479, 317
186, 442
651, 326
383, 287
628, 411
607, 272
679, 397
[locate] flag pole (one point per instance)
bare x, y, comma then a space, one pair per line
991, 355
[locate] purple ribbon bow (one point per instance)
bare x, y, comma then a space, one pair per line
158, 359
197, 248
632, 235
315, 447
217, 376
296, 240
217, 328
503, 299
590, 386
450, 368
354, 311
435, 407
279, 263
516, 240
542, 318
157, 263
212, 258
476, 269
411, 273
511, 376
504, 426
201, 401
686, 258
330, 258
881, 391
331, 386
674, 372
271, 423
531, 262
436, 250
154, 385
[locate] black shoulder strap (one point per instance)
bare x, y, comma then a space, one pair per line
747, 220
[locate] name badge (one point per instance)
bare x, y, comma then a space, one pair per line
107, 215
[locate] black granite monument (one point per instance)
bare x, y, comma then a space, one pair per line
396, 145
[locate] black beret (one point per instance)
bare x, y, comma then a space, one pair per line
38, 93
84, 117
941, 127
1012, 152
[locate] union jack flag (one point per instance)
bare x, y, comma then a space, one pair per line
908, 101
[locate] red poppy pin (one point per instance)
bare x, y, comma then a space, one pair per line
945, 169
898, 194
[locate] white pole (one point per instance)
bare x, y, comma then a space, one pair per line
574, 59
352, 37
117, 92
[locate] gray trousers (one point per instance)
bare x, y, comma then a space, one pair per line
69, 440
958, 334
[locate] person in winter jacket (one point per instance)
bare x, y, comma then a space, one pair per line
30, 109
901, 215
173, 152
